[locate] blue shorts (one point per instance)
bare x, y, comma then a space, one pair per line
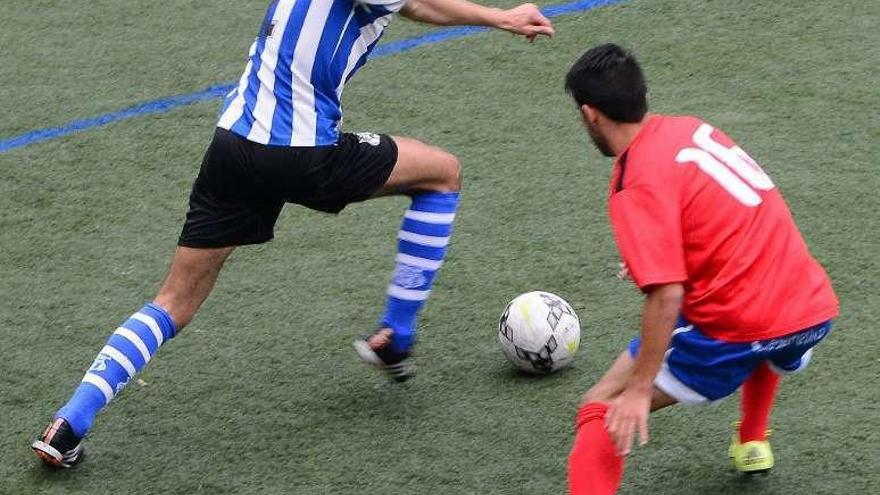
698, 369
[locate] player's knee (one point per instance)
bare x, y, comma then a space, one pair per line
449, 174
455, 173
597, 394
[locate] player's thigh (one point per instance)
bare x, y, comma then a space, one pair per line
422, 167
660, 399
230, 203
613, 381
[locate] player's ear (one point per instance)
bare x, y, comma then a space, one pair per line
589, 114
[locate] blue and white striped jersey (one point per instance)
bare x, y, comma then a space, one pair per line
306, 51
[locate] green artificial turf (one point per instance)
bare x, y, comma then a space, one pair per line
263, 393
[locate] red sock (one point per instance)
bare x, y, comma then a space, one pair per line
594, 468
758, 394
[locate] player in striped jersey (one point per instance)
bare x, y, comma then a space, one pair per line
278, 140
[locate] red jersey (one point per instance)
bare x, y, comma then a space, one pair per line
688, 205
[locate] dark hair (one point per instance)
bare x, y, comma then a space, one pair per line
609, 78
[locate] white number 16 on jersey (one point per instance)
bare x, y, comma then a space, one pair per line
732, 167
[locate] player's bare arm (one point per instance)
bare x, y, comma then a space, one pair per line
729, 239
525, 20
629, 411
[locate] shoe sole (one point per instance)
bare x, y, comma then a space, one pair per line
399, 372
750, 470
52, 457
732, 456
366, 354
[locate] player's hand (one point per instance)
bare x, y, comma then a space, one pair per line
628, 413
526, 20
622, 270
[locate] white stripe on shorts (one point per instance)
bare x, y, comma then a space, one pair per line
805, 361
684, 329
673, 387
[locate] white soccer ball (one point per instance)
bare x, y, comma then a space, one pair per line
539, 332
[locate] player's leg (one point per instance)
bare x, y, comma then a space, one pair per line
228, 208
431, 177
422, 168
612, 382
750, 449
190, 280
758, 395
697, 370
594, 466
129, 348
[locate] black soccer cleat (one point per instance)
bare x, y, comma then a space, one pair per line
59, 447
376, 349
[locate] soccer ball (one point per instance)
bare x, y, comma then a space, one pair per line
539, 332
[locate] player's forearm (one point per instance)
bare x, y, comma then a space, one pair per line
662, 306
452, 13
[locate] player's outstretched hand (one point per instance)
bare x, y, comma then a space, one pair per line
527, 20
628, 413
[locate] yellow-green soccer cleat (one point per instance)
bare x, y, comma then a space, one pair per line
751, 457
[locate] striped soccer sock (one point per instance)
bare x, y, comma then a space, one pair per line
421, 247
127, 351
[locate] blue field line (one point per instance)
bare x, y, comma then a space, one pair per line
165, 104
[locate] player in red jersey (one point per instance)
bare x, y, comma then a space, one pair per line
732, 295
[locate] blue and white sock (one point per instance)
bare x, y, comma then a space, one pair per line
127, 351
422, 243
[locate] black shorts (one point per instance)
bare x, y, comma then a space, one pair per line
243, 185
